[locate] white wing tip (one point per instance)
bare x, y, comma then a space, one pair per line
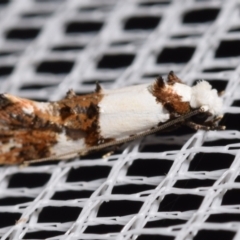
204, 96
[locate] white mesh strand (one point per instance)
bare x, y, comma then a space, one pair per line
181, 185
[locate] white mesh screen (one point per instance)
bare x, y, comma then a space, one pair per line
177, 185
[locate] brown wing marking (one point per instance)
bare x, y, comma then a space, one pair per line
71, 113
28, 129
21, 145
167, 97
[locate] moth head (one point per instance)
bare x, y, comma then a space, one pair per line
203, 95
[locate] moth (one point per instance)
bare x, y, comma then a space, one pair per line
76, 125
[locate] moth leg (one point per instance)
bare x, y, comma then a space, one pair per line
214, 123
209, 125
215, 120
112, 150
196, 126
108, 154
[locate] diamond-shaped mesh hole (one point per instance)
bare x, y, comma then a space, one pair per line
115, 61
231, 121
100, 7
237, 179
119, 208
36, 86
8, 219
93, 82
42, 234
131, 188
223, 218
103, 229
141, 23
231, 197
59, 214
49, 1
83, 27
67, 195
63, 48
183, 202
164, 223
6, 70
222, 142
14, 200
22, 34
237, 29
200, 16
153, 3
228, 48
28, 180
55, 67
182, 36
6, 53
193, 183
217, 234
175, 55
155, 237
149, 167
29, 15
211, 161
88, 173
221, 69
2, 2
236, 103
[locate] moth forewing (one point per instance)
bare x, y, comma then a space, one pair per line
77, 125
81, 152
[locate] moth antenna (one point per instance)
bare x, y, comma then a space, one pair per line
172, 78
70, 94
98, 88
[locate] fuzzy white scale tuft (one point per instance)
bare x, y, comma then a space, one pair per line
204, 95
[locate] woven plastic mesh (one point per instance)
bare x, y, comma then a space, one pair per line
175, 185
